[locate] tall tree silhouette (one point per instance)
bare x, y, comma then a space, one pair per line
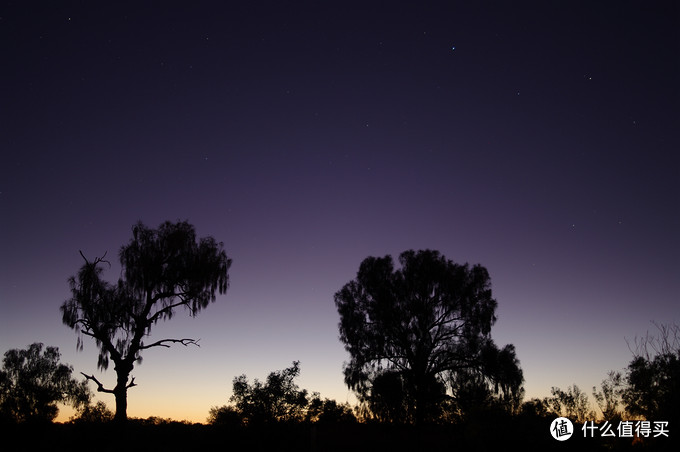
163, 270
422, 324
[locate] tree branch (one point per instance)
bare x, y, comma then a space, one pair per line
97, 260
162, 343
100, 386
107, 345
166, 309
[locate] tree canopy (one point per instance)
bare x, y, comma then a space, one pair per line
653, 376
277, 399
163, 270
416, 329
33, 382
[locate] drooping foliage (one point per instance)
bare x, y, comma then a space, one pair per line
163, 270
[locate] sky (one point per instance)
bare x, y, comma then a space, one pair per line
538, 139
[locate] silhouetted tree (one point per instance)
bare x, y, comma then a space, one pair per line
163, 270
277, 399
389, 399
497, 386
93, 414
225, 415
653, 376
471, 394
535, 408
329, 411
609, 398
427, 321
33, 382
572, 403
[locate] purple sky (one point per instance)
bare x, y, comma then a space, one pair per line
537, 139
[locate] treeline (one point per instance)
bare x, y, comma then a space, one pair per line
278, 413
33, 382
418, 335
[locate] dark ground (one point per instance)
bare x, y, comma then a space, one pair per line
174, 436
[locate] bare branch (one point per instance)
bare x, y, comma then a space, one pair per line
667, 342
100, 386
83, 256
97, 260
162, 343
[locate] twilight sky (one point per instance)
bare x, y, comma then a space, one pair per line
539, 139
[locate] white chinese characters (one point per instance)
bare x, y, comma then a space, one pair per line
625, 429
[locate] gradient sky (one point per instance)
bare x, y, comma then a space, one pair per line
537, 139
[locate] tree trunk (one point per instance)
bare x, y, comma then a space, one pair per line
120, 391
420, 408
420, 393
121, 404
